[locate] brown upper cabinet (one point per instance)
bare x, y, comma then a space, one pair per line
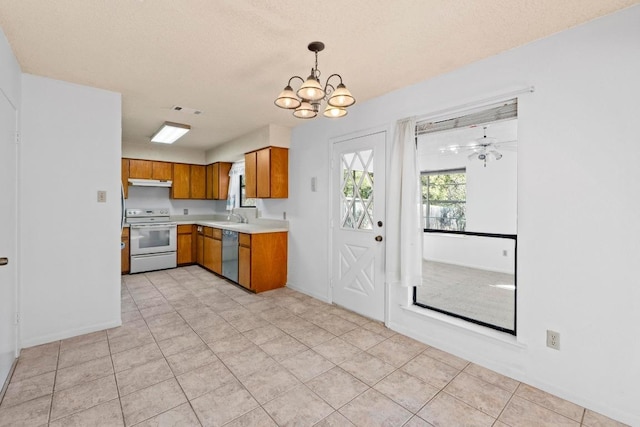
198, 182
149, 169
189, 181
181, 188
267, 173
218, 180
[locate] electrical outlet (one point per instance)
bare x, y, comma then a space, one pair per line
553, 339
102, 196
186, 211
504, 252
284, 215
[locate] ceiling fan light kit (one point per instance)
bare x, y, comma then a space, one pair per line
307, 99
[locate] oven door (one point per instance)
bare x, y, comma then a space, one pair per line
153, 238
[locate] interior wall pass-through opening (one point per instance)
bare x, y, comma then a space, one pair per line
468, 164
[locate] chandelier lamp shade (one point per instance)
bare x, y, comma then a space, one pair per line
306, 101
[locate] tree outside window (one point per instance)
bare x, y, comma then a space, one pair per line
444, 195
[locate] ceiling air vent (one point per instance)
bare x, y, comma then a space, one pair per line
186, 110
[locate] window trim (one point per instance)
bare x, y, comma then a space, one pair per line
240, 182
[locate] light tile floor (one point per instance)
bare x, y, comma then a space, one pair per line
196, 350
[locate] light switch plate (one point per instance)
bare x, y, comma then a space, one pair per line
102, 196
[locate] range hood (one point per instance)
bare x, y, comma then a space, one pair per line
149, 182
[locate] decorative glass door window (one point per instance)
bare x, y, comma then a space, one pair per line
356, 197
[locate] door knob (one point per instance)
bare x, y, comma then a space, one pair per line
378, 238
4, 261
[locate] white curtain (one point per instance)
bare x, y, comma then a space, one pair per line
404, 229
233, 199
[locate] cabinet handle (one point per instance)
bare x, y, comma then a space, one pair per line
4, 261
378, 238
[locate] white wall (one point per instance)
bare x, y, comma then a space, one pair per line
577, 272
9, 71
69, 243
164, 152
157, 197
232, 151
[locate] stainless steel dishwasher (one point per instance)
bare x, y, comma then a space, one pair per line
230, 254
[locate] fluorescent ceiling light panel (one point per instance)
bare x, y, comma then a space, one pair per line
170, 132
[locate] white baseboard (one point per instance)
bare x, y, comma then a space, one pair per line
322, 298
44, 339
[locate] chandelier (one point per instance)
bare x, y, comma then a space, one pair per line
307, 99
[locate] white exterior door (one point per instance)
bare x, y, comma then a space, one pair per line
8, 290
358, 224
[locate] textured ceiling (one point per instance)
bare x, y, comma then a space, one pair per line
230, 59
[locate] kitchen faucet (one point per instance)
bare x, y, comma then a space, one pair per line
238, 216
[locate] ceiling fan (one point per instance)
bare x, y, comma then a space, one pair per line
483, 149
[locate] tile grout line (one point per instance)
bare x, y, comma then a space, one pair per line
55, 377
175, 377
116, 378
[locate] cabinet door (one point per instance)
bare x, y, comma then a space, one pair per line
244, 260
200, 249
209, 181
213, 254
215, 181
125, 177
263, 173
124, 253
198, 182
216, 256
162, 171
250, 175
140, 169
185, 244
279, 172
223, 180
180, 188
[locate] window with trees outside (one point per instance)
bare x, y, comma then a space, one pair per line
444, 195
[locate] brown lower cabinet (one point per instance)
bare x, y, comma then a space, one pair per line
186, 244
262, 261
212, 251
124, 253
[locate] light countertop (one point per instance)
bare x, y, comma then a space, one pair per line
236, 226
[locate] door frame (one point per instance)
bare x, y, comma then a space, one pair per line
331, 203
16, 234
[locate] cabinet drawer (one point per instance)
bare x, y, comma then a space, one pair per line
185, 229
125, 232
208, 231
217, 233
244, 240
